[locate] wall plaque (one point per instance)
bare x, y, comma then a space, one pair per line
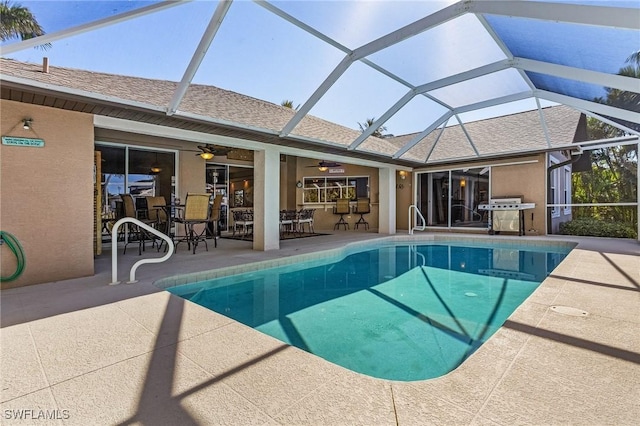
10, 140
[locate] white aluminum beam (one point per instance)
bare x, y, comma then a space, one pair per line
492, 102
388, 114
605, 16
362, 52
543, 123
100, 23
433, 147
199, 54
457, 78
319, 93
609, 122
408, 31
528, 151
595, 107
284, 15
594, 77
464, 129
464, 76
416, 140
500, 43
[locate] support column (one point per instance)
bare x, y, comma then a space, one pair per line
387, 201
266, 199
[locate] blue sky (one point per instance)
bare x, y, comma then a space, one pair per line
261, 55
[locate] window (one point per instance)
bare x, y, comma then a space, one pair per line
567, 190
329, 189
555, 195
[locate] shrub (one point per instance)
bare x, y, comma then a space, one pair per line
597, 228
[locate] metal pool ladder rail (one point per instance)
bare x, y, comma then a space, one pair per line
114, 250
417, 212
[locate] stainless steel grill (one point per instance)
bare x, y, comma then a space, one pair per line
507, 214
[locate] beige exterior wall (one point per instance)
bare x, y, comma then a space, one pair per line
404, 198
47, 193
528, 181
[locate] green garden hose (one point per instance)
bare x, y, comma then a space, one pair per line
15, 247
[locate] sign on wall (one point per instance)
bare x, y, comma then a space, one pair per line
13, 141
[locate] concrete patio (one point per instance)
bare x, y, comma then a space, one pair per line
83, 352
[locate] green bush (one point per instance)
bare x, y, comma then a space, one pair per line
597, 228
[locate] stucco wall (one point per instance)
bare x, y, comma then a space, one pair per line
528, 181
47, 193
404, 193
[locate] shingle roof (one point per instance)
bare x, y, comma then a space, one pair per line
515, 132
208, 101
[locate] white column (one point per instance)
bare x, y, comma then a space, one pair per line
266, 199
387, 201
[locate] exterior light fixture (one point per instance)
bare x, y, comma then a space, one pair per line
206, 155
323, 168
463, 182
403, 174
26, 123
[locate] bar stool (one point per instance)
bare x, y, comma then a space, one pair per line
341, 208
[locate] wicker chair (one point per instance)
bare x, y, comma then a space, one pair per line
341, 208
363, 206
196, 212
157, 214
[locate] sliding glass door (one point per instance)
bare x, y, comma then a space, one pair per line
451, 198
138, 171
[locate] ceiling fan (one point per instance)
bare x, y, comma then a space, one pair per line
323, 166
208, 151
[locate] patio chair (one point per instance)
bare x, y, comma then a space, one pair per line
196, 212
363, 207
342, 207
214, 218
243, 219
305, 216
157, 213
139, 235
287, 218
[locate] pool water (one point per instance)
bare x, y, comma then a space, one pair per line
399, 312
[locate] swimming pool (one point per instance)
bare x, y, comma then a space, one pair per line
400, 311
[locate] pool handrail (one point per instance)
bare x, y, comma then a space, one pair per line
416, 228
114, 250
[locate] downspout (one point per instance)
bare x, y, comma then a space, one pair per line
550, 169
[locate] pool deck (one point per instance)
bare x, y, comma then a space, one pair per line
93, 354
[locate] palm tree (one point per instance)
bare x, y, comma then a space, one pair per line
379, 132
289, 104
624, 99
634, 57
17, 21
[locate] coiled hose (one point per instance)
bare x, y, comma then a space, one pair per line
17, 250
